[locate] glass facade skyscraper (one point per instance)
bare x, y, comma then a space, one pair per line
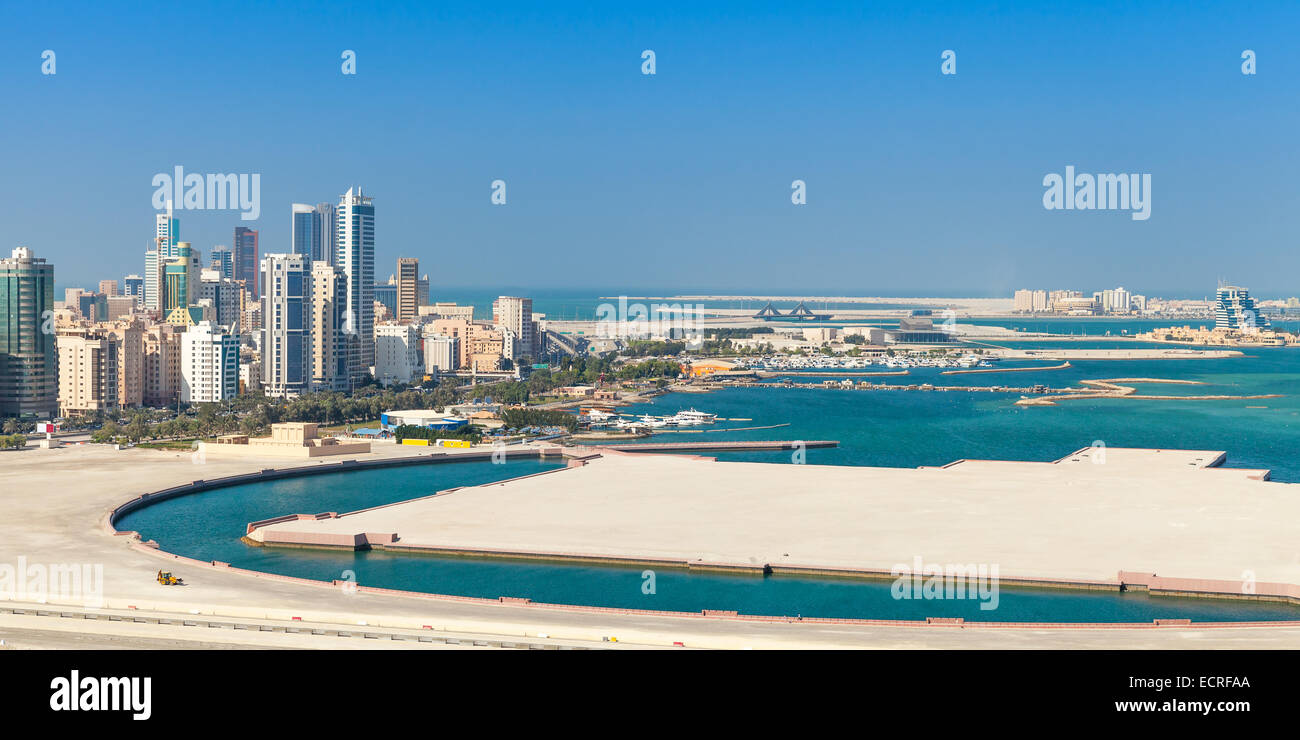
356, 256
247, 265
28, 350
286, 324
1235, 309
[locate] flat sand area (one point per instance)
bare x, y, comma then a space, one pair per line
56, 500
1150, 511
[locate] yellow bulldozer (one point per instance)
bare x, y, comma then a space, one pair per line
166, 578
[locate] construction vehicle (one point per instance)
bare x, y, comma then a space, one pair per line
166, 578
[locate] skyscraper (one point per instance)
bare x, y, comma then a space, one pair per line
408, 302
304, 230
286, 324
180, 279
247, 266
329, 345
356, 256
28, 348
167, 231
151, 285
329, 235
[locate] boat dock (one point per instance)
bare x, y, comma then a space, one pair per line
864, 386
737, 446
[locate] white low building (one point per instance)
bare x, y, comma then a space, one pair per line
441, 352
397, 353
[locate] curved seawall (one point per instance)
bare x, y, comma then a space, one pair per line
1124, 581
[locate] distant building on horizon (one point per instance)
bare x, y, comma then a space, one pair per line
133, 285
408, 278
223, 261
1235, 309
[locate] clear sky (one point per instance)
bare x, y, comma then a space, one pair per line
917, 182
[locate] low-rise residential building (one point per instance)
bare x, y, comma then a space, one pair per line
397, 353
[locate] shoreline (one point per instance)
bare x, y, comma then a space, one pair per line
1126, 580
85, 483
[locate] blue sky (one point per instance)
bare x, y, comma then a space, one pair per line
918, 183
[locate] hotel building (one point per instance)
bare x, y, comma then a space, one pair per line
1235, 309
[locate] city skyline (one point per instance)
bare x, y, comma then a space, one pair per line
665, 181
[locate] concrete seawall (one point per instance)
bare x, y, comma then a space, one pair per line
1126, 580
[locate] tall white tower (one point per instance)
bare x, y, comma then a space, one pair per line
355, 220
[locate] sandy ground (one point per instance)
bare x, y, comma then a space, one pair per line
55, 501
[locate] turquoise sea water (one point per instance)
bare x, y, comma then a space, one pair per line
208, 526
889, 428
912, 428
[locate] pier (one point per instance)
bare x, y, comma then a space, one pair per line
838, 385
752, 446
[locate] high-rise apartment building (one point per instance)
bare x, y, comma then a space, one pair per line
133, 285
515, 314
286, 324
88, 373
129, 335
355, 220
223, 261
162, 364
408, 277
329, 344
28, 348
247, 266
209, 364
220, 293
